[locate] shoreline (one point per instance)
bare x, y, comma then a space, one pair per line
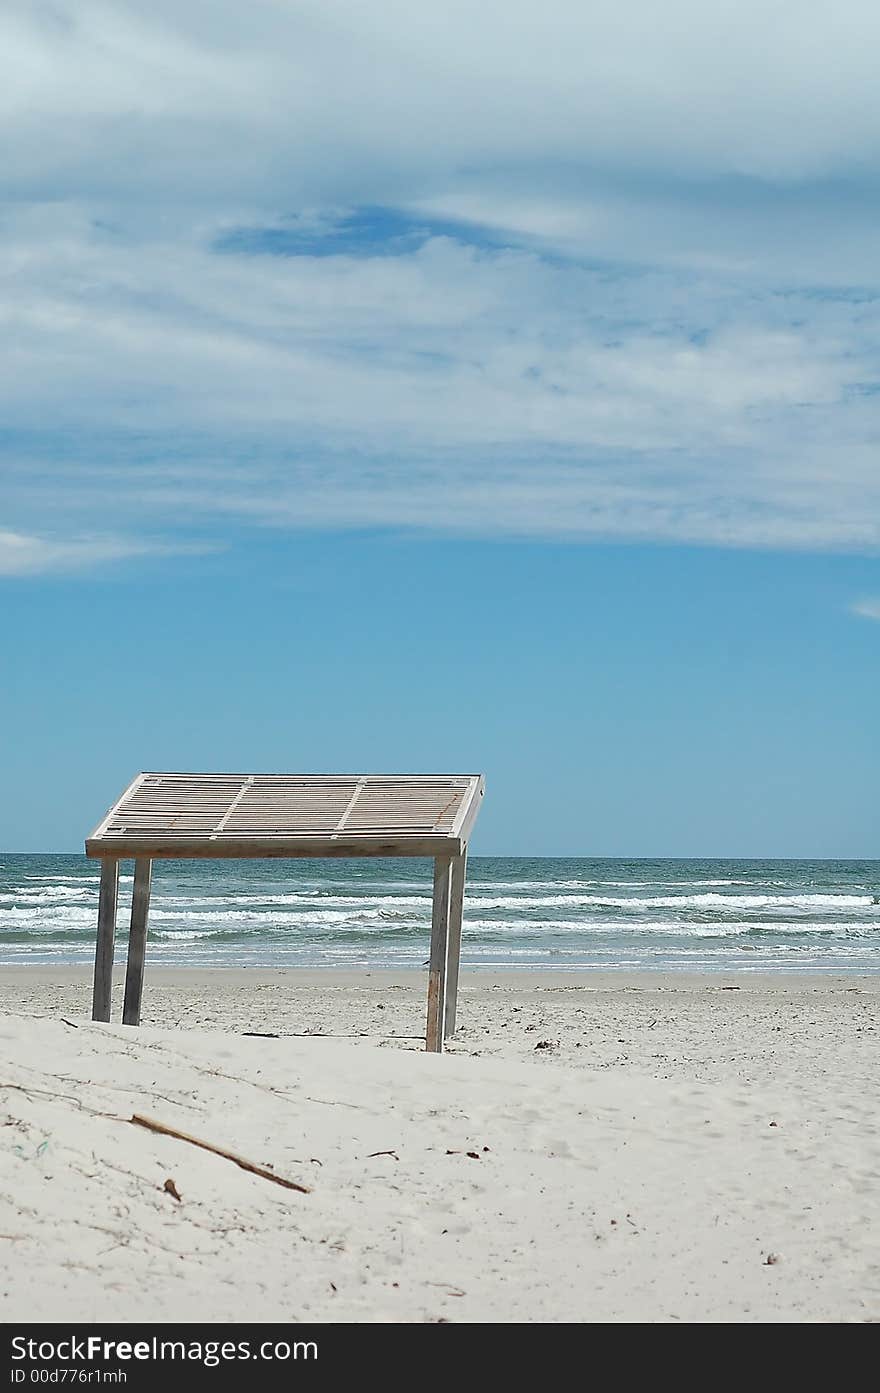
726, 1027
481, 978
602, 978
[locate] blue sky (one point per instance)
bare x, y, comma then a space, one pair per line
422, 387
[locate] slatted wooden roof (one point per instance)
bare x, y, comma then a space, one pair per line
199, 815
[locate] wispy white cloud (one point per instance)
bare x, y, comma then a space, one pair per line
438, 347
638, 298
446, 386
28, 555
868, 609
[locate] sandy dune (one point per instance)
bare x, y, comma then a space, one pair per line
682, 1153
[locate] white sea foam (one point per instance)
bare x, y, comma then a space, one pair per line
295, 898
667, 927
636, 904
40, 918
475, 897
354, 914
63, 879
48, 895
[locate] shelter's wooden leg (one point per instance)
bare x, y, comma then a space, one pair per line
107, 900
439, 953
456, 908
137, 941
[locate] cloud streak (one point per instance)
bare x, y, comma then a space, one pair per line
867, 609
23, 555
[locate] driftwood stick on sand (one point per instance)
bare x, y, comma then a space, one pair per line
153, 1126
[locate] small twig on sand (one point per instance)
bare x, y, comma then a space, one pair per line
153, 1126
383, 1153
336, 1103
64, 1097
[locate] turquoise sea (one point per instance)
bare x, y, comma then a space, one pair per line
519, 912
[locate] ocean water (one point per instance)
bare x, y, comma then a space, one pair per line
519, 912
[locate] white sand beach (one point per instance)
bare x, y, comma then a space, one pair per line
592, 1147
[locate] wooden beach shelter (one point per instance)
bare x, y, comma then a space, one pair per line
194, 816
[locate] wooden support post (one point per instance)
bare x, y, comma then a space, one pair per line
439, 954
107, 900
456, 909
137, 941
